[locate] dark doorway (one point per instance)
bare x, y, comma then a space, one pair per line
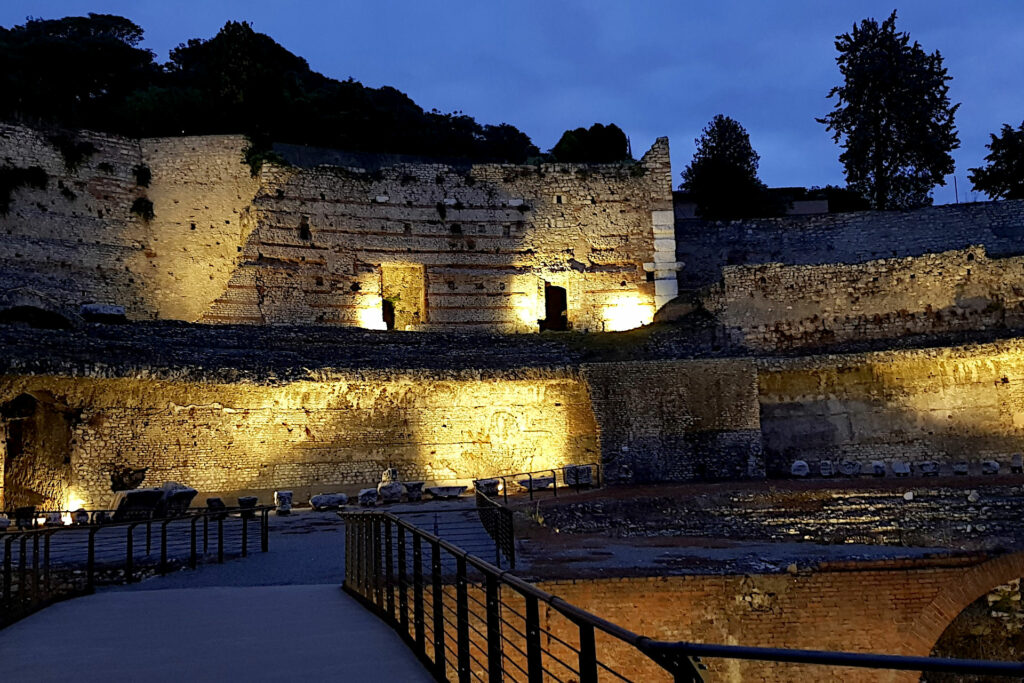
389, 314
555, 309
34, 317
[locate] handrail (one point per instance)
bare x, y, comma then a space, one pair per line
595, 467
369, 540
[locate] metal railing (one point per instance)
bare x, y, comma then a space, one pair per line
39, 566
467, 620
497, 520
567, 477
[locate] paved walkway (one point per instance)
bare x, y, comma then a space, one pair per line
219, 623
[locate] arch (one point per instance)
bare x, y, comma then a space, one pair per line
957, 595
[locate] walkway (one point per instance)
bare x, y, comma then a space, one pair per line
274, 616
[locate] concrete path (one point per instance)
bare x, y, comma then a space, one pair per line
260, 633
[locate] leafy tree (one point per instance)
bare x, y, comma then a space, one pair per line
893, 115
1003, 178
598, 144
722, 176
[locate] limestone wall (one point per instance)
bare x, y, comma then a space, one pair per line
774, 306
310, 436
77, 241
706, 248
320, 245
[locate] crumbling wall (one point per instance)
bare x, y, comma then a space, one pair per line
313, 436
775, 306
79, 241
487, 238
945, 404
677, 420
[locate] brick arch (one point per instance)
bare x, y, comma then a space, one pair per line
956, 595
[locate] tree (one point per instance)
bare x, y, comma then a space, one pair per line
599, 144
893, 115
1003, 178
722, 176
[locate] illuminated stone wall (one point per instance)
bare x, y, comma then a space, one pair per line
945, 404
776, 306
315, 245
312, 436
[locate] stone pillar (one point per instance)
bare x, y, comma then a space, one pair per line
666, 287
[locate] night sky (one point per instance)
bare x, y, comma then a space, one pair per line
653, 68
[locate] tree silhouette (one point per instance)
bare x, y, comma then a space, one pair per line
1003, 177
599, 144
893, 116
722, 176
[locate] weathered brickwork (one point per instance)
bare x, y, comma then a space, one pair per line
900, 607
323, 244
774, 306
307, 436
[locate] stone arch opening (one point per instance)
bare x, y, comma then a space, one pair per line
556, 306
34, 316
35, 445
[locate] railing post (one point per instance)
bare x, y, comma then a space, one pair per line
437, 600
90, 566
534, 654
554, 482
265, 531
245, 536
149, 535
220, 541
193, 545
531, 487
389, 569
597, 472
129, 560
504, 489
417, 592
495, 665
403, 600
462, 618
378, 580
588, 654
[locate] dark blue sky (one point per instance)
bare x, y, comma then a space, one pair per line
654, 68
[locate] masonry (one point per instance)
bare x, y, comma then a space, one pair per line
407, 246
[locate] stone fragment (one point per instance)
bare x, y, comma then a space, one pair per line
217, 507
80, 517
577, 475
390, 492
929, 468
827, 468
101, 517
973, 497
53, 519
283, 501
176, 499
368, 497
792, 569
488, 487
849, 468
878, 468
445, 492
1017, 463
248, 506
536, 483
328, 501
799, 468
4, 522
414, 491
389, 475
909, 495
990, 467
900, 468
960, 468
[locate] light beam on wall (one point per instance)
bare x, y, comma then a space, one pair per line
371, 313
626, 313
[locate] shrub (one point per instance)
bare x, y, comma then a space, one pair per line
11, 178
142, 175
143, 208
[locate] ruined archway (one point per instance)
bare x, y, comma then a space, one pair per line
36, 437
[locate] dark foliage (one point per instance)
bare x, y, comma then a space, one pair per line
1003, 177
143, 208
599, 144
722, 176
893, 116
89, 72
11, 178
142, 175
73, 150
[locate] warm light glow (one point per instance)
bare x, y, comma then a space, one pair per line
371, 315
73, 503
627, 312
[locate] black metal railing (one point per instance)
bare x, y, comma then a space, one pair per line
39, 566
467, 620
566, 478
498, 521
463, 527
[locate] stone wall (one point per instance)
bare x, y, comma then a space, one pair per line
775, 306
677, 420
306, 436
317, 245
704, 249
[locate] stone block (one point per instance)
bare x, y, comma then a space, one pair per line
4, 522
247, 505
390, 492
536, 483
414, 491
960, 468
368, 497
1017, 464
799, 468
488, 487
283, 501
849, 468
990, 467
577, 475
929, 468
389, 475
877, 468
328, 501
900, 468
445, 492
826, 468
